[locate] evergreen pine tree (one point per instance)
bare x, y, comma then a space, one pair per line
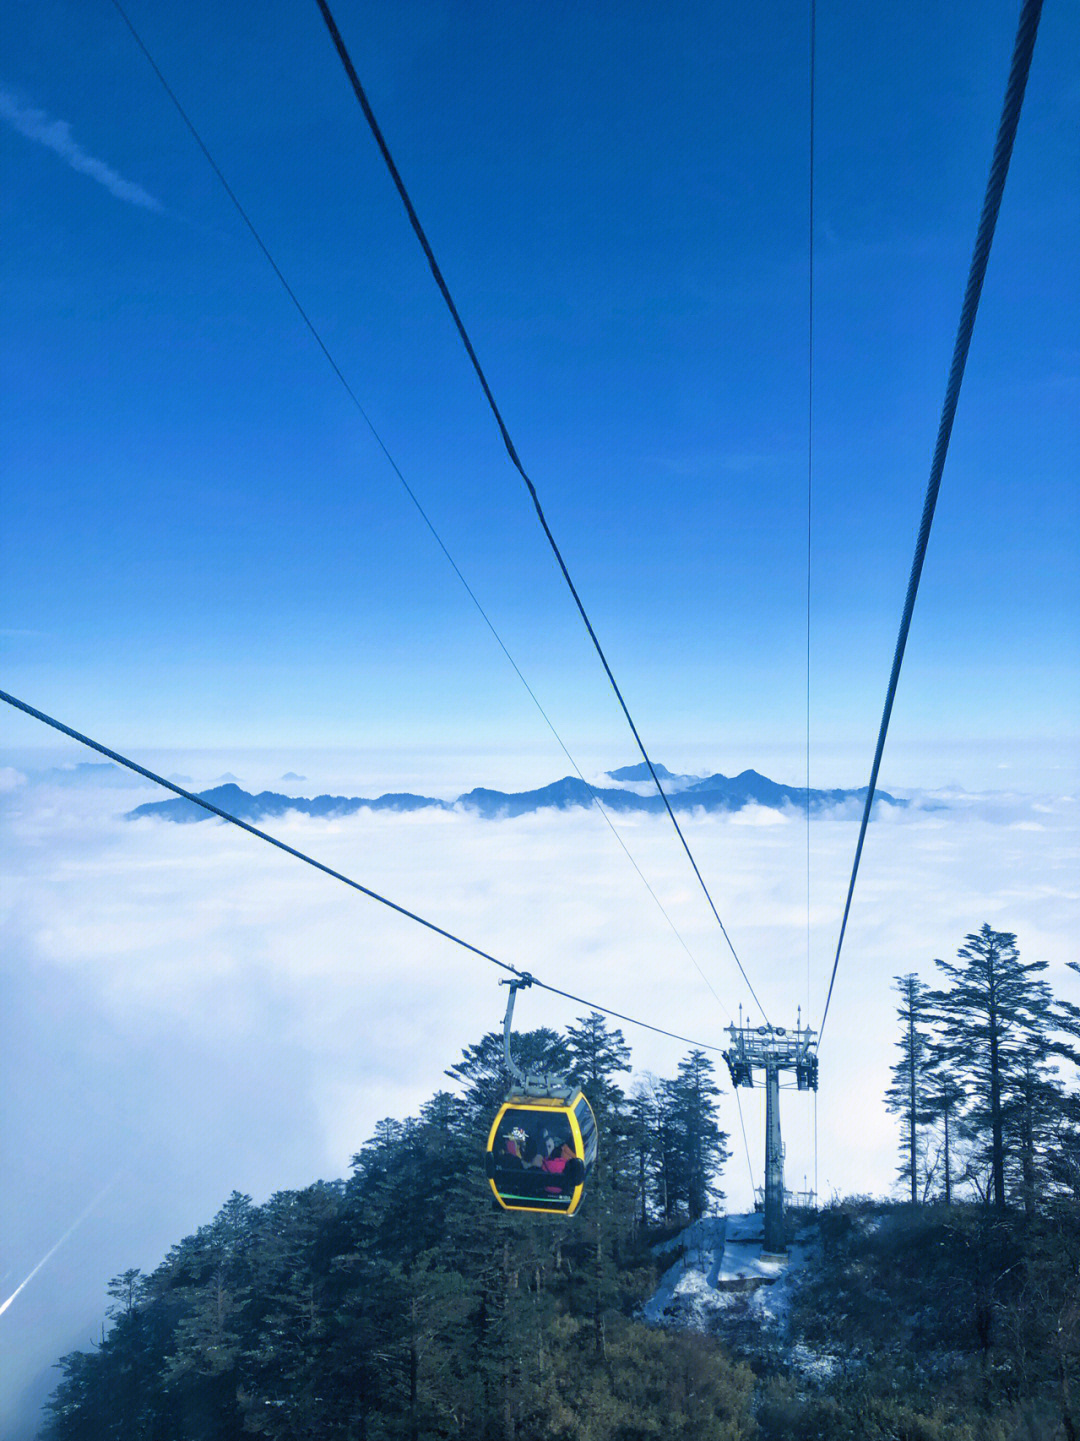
207, 1282
1033, 1118
700, 1147
596, 1055
945, 1098
482, 1069
1062, 1159
909, 1094
994, 1014
643, 1126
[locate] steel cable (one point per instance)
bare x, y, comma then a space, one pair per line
999, 169
511, 450
316, 336
336, 875
812, 68
746, 1146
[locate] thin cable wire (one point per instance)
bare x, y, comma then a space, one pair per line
810, 479
336, 875
746, 1145
815, 1149
511, 450
309, 323
999, 169
809, 465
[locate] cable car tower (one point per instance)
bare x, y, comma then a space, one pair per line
773, 1049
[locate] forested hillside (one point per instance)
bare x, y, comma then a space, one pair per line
402, 1303
399, 1303
932, 1323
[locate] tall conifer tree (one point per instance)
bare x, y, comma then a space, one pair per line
995, 1014
945, 1098
701, 1146
908, 1096
596, 1056
482, 1069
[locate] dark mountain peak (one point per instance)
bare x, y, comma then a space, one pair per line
227, 798
707, 783
559, 795
230, 791
640, 772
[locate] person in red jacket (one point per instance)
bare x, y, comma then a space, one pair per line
553, 1161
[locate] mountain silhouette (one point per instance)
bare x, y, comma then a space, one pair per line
247, 807
711, 793
92, 774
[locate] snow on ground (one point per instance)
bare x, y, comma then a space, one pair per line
686, 1297
721, 1271
773, 1303
721, 1256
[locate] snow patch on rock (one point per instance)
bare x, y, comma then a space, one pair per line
720, 1267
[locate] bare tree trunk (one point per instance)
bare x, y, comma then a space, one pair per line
641, 1184
912, 1147
414, 1376
1071, 1432
1066, 1332
598, 1316
1027, 1142
509, 1424
997, 1139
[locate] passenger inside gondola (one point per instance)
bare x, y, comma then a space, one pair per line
514, 1142
530, 1145
552, 1158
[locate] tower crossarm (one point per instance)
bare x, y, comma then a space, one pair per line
777, 1048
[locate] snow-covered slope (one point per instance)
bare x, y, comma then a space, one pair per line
721, 1280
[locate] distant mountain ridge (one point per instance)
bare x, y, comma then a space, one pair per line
640, 772
710, 793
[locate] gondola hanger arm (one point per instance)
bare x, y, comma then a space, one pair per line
539, 1085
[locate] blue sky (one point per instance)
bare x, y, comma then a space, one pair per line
206, 560
204, 543
204, 546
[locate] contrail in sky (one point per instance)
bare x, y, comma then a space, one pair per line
56, 135
49, 1254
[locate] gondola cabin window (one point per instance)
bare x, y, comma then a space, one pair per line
539, 1153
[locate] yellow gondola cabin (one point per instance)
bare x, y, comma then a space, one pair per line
540, 1151
542, 1142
